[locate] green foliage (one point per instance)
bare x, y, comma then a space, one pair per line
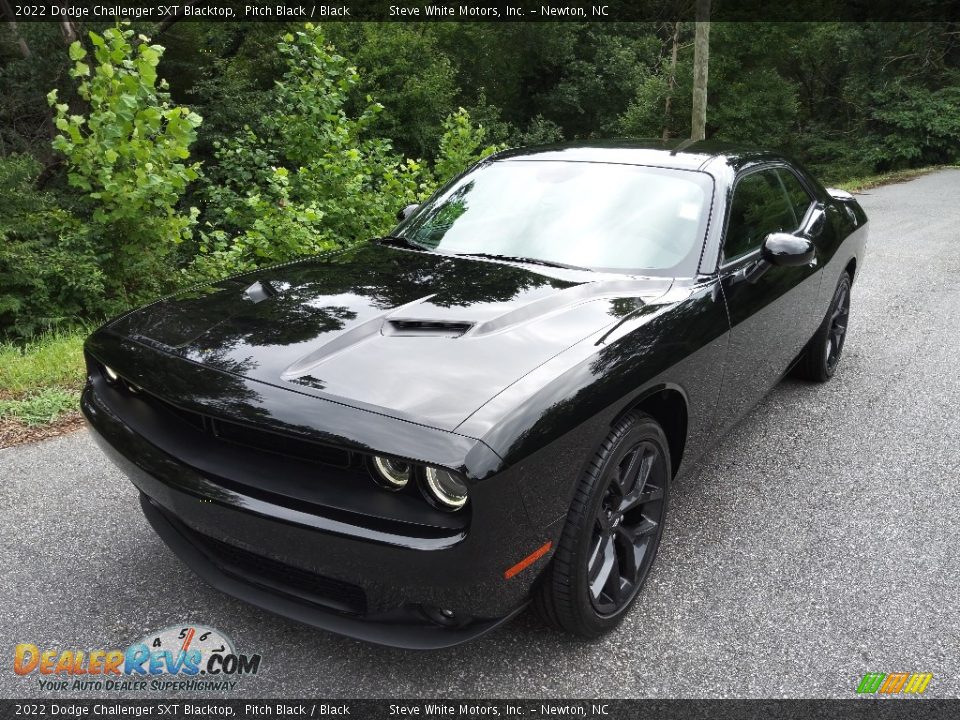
211, 66
41, 379
50, 359
49, 275
301, 182
539, 131
313, 177
24, 115
128, 155
646, 114
306, 148
39, 408
461, 145
913, 125
404, 67
750, 98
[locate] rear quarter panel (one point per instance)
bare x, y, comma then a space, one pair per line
850, 232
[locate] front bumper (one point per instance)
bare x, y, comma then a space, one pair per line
404, 628
318, 567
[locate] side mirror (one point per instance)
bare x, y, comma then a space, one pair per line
788, 250
406, 212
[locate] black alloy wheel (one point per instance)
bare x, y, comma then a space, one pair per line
837, 332
626, 528
612, 533
822, 354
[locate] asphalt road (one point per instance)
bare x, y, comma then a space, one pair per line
817, 542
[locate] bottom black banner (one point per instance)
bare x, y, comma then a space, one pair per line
472, 709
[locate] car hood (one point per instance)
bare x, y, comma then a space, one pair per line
420, 336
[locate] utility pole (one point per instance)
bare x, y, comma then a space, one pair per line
701, 60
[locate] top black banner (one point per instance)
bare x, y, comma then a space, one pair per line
479, 11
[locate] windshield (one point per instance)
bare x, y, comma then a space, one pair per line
624, 218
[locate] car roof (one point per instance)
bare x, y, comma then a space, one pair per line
680, 154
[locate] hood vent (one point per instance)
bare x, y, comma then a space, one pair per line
426, 328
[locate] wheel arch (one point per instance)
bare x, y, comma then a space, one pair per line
667, 404
851, 269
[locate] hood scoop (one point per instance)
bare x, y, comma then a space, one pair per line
426, 328
379, 325
372, 328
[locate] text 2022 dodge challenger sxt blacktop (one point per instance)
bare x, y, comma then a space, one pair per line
410, 440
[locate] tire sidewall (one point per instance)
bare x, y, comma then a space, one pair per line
642, 428
826, 370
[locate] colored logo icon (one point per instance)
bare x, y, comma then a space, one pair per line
894, 683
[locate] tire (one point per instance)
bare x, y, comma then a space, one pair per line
583, 590
822, 354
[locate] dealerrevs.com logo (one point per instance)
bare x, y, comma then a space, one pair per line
180, 657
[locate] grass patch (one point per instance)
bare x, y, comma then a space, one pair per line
40, 382
40, 408
888, 178
53, 360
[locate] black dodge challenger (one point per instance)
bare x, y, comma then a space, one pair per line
411, 440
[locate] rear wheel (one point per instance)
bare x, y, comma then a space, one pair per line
822, 354
612, 533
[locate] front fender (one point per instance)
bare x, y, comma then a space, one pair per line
550, 422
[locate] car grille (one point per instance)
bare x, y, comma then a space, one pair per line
275, 575
259, 439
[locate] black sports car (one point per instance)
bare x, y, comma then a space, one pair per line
410, 440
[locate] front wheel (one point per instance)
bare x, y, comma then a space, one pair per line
822, 355
612, 532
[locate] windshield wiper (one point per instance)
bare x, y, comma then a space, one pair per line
397, 241
522, 259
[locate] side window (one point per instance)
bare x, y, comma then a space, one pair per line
759, 207
799, 198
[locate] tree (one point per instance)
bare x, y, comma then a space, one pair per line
12, 24
671, 80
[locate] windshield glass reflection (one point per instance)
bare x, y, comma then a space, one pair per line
597, 215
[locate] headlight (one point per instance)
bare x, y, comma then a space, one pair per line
110, 373
393, 474
446, 489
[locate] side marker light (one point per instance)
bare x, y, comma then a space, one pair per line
528, 560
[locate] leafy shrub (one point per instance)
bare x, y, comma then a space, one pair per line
911, 126
461, 145
128, 155
539, 131
644, 116
406, 70
49, 274
312, 177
